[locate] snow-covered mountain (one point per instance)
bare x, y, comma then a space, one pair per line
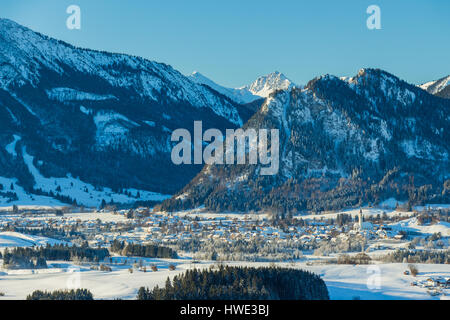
87, 126
260, 88
265, 85
342, 143
238, 95
99, 121
26, 55
440, 88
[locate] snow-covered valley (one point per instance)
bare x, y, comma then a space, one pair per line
344, 282
379, 279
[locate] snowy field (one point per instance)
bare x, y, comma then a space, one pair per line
120, 283
15, 239
354, 213
387, 207
205, 214
79, 216
412, 225
344, 282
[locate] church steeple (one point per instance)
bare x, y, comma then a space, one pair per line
360, 219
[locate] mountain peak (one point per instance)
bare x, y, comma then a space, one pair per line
276, 75
8, 22
263, 86
200, 78
376, 78
14, 31
375, 72
439, 87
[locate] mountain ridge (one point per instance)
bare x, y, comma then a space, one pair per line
440, 87
102, 118
262, 87
91, 127
342, 144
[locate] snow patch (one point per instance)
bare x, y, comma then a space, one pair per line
15, 239
11, 148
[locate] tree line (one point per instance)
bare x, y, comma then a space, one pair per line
35, 257
240, 283
142, 250
78, 294
418, 256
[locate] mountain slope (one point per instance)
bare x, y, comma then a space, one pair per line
238, 95
440, 88
342, 144
100, 118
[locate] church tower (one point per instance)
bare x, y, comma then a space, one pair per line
360, 219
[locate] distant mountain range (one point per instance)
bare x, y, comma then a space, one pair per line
260, 88
93, 127
440, 88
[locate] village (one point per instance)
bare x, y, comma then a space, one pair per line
101, 227
353, 237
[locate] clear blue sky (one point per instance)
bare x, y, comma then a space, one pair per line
234, 41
